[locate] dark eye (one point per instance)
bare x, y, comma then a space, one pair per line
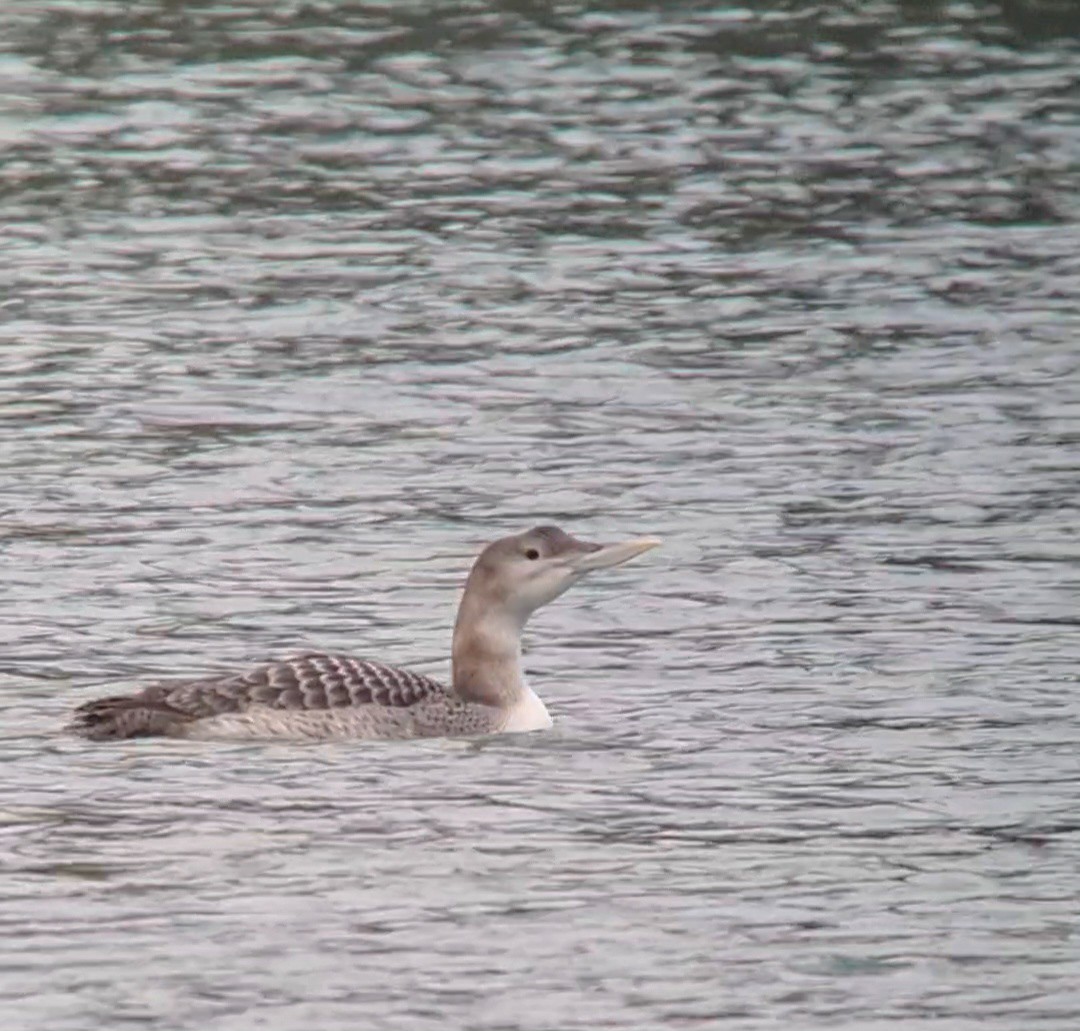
532, 554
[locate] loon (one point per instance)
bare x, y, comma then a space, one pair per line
317, 696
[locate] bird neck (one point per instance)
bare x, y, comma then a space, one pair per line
487, 654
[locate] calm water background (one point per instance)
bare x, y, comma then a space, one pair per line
300, 303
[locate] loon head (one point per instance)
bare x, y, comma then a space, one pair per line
509, 581
521, 573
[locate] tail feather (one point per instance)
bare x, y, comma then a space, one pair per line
125, 716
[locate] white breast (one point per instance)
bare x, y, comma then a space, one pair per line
528, 714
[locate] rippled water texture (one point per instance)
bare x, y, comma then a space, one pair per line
300, 303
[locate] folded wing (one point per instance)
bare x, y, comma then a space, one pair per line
304, 683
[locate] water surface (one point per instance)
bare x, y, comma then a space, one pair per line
300, 305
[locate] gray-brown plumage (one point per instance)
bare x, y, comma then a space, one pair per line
304, 683
324, 696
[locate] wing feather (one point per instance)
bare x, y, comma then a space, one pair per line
305, 682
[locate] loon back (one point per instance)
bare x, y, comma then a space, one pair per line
305, 683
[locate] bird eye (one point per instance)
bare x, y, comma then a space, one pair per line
532, 554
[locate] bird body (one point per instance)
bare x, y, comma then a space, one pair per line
318, 696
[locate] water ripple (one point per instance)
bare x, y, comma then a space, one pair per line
303, 305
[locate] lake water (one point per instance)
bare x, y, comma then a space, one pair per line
301, 303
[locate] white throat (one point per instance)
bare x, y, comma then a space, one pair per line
528, 713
